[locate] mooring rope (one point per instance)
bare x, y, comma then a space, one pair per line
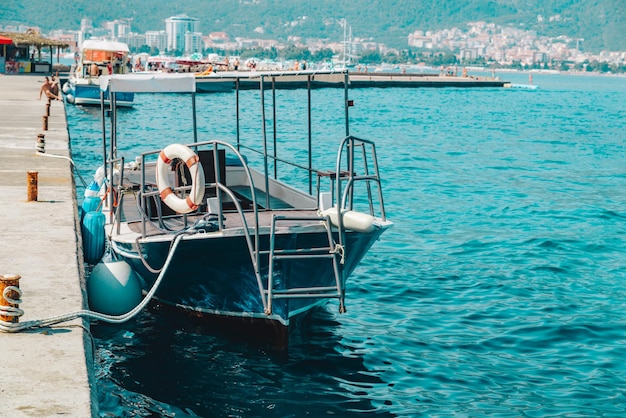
82, 180
114, 319
341, 250
11, 310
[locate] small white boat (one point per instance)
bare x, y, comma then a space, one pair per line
97, 58
231, 241
521, 86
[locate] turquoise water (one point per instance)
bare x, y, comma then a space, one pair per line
501, 290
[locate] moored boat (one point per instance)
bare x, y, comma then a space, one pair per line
226, 238
97, 58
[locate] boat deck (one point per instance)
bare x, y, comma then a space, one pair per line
170, 221
231, 220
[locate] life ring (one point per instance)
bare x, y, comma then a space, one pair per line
191, 159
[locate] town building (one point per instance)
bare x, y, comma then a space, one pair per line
176, 27
157, 39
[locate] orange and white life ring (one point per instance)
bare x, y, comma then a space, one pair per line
191, 159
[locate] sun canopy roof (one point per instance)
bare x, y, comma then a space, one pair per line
101, 45
149, 83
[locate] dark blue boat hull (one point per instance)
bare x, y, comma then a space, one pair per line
215, 276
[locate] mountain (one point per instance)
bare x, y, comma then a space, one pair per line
601, 23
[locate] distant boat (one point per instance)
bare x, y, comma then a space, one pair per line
97, 58
230, 239
521, 86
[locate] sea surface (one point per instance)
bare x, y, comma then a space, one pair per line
500, 291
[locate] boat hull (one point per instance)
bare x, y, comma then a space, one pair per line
214, 276
88, 94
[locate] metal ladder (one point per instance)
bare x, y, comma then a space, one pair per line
328, 252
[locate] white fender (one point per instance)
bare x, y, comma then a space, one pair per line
352, 220
194, 199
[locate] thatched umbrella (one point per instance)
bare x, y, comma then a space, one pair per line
33, 38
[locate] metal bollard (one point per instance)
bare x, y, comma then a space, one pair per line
48, 109
45, 123
41, 143
32, 178
10, 297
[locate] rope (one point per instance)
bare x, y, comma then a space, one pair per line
341, 250
114, 319
338, 249
145, 262
11, 310
82, 180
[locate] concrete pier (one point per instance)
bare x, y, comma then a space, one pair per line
387, 80
48, 371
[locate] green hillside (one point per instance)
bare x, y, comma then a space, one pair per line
601, 23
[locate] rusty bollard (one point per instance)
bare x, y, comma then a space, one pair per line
10, 294
48, 109
32, 185
45, 123
41, 143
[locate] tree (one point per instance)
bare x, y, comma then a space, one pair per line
296, 53
370, 57
322, 55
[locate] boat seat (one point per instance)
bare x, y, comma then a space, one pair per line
243, 192
206, 159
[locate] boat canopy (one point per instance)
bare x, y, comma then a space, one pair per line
102, 45
149, 83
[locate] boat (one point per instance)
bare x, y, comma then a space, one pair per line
521, 86
97, 58
220, 233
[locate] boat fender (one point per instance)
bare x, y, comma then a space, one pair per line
113, 288
98, 176
95, 187
70, 98
66, 87
352, 220
191, 159
90, 204
93, 234
100, 179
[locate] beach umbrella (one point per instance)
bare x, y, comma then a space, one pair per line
4, 42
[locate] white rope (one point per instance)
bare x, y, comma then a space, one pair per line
339, 249
11, 310
68, 159
114, 319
